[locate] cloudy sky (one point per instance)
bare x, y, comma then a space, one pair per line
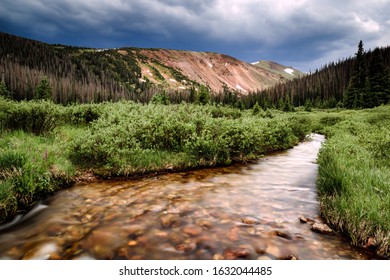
305, 34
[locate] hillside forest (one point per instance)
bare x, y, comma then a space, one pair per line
81, 75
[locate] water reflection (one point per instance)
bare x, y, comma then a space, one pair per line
238, 212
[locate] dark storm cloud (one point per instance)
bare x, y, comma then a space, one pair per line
301, 33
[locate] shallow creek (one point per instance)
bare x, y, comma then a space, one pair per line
239, 212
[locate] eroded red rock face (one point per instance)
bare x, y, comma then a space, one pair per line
212, 69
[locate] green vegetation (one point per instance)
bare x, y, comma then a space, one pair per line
43, 90
368, 88
45, 146
354, 175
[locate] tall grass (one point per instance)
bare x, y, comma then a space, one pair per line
354, 177
31, 167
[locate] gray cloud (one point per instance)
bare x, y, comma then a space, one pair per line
302, 33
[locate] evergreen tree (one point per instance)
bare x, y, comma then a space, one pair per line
203, 96
356, 90
256, 109
239, 104
308, 105
160, 98
4, 92
379, 81
43, 90
288, 106
280, 105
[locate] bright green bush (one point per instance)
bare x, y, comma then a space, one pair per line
38, 117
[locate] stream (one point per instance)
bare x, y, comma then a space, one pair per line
247, 211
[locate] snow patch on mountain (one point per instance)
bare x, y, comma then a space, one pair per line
289, 71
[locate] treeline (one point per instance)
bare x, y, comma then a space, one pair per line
327, 87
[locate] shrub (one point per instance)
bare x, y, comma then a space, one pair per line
38, 117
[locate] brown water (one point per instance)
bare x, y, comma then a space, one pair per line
245, 212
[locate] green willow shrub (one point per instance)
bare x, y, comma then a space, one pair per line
38, 117
208, 135
83, 113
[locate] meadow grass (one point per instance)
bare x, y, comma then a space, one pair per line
354, 176
31, 167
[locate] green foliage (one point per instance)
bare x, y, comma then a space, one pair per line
353, 181
160, 98
379, 81
203, 96
308, 105
82, 114
256, 109
368, 91
4, 92
287, 106
31, 167
43, 90
356, 90
207, 135
39, 117
268, 114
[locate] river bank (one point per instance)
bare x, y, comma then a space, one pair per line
354, 177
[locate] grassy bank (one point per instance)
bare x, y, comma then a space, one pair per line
44, 146
354, 176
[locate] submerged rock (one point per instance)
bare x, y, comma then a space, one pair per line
305, 220
250, 220
321, 228
371, 243
186, 247
170, 220
234, 234
192, 230
235, 253
281, 234
218, 257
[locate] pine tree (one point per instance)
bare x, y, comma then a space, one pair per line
256, 109
379, 81
203, 96
356, 90
288, 106
43, 90
160, 98
308, 105
4, 92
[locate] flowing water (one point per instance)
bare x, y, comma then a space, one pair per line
238, 212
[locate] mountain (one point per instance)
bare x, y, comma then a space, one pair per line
85, 74
211, 69
288, 73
